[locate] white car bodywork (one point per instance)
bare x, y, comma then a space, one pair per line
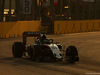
55, 50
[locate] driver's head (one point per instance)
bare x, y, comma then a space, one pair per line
41, 35
44, 36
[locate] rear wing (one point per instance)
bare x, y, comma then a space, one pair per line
30, 34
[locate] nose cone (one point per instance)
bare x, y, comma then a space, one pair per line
56, 51
59, 56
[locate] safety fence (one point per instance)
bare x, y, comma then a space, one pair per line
15, 29
76, 26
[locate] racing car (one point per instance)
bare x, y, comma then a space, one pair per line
43, 49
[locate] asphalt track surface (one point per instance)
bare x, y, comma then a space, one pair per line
88, 45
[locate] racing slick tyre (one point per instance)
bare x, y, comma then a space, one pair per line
17, 49
72, 54
31, 53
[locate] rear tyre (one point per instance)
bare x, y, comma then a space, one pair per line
17, 49
71, 53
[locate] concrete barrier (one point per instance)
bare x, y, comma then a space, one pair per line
15, 29
76, 26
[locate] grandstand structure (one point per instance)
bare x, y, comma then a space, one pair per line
12, 10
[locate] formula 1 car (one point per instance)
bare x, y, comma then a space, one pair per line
43, 49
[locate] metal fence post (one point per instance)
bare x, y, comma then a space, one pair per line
2, 3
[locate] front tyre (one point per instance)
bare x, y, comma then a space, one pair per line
72, 54
17, 49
